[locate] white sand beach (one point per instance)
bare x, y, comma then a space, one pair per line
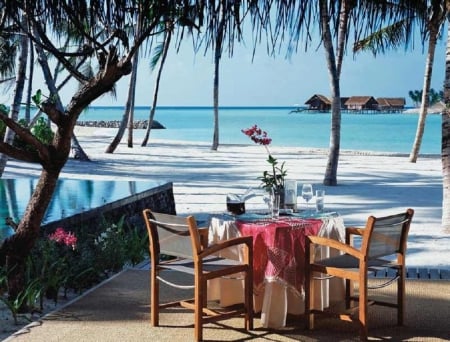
368, 183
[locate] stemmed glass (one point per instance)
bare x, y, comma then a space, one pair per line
307, 193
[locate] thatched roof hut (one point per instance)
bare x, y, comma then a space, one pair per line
319, 102
361, 103
391, 103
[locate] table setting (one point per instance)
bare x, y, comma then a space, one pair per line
279, 228
278, 243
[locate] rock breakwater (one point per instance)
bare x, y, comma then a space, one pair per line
138, 124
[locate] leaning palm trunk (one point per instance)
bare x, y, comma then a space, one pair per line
434, 31
132, 98
167, 39
127, 113
123, 125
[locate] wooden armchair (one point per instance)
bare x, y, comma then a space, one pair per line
381, 238
180, 238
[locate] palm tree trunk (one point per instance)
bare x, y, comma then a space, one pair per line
215, 143
217, 57
127, 115
346, 7
335, 136
123, 125
434, 25
167, 39
30, 82
446, 135
132, 99
18, 95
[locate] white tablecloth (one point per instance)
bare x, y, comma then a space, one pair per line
274, 298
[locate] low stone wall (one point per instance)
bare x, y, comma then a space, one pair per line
138, 124
159, 199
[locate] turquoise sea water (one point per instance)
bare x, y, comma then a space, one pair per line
382, 132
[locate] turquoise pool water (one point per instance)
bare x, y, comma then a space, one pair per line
72, 196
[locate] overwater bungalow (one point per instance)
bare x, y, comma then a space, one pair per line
391, 104
318, 103
361, 104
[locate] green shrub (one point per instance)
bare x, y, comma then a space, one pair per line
40, 130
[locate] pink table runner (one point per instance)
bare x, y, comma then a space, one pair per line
279, 248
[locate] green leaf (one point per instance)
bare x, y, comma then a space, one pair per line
37, 98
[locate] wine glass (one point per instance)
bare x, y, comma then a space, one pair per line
307, 193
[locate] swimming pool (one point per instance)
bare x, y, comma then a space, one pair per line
72, 197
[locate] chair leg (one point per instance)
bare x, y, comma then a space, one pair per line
198, 312
309, 319
309, 299
248, 301
363, 306
401, 296
348, 292
154, 300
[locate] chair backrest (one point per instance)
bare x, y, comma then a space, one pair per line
170, 234
387, 235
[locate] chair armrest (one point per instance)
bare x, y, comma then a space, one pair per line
350, 231
217, 247
335, 244
203, 233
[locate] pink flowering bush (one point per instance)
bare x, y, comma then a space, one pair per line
273, 179
52, 261
66, 238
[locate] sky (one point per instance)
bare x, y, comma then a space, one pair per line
187, 79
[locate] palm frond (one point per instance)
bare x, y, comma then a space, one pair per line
390, 37
157, 53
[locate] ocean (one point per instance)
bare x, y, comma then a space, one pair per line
381, 132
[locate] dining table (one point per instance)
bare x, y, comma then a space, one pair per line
278, 261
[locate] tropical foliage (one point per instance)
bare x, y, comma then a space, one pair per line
74, 260
433, 96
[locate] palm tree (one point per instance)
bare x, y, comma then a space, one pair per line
415, 96
334, 22
334, 74
127, 116
399, 34
160, 55
431, 25
224, 27
217, 56
436, 21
